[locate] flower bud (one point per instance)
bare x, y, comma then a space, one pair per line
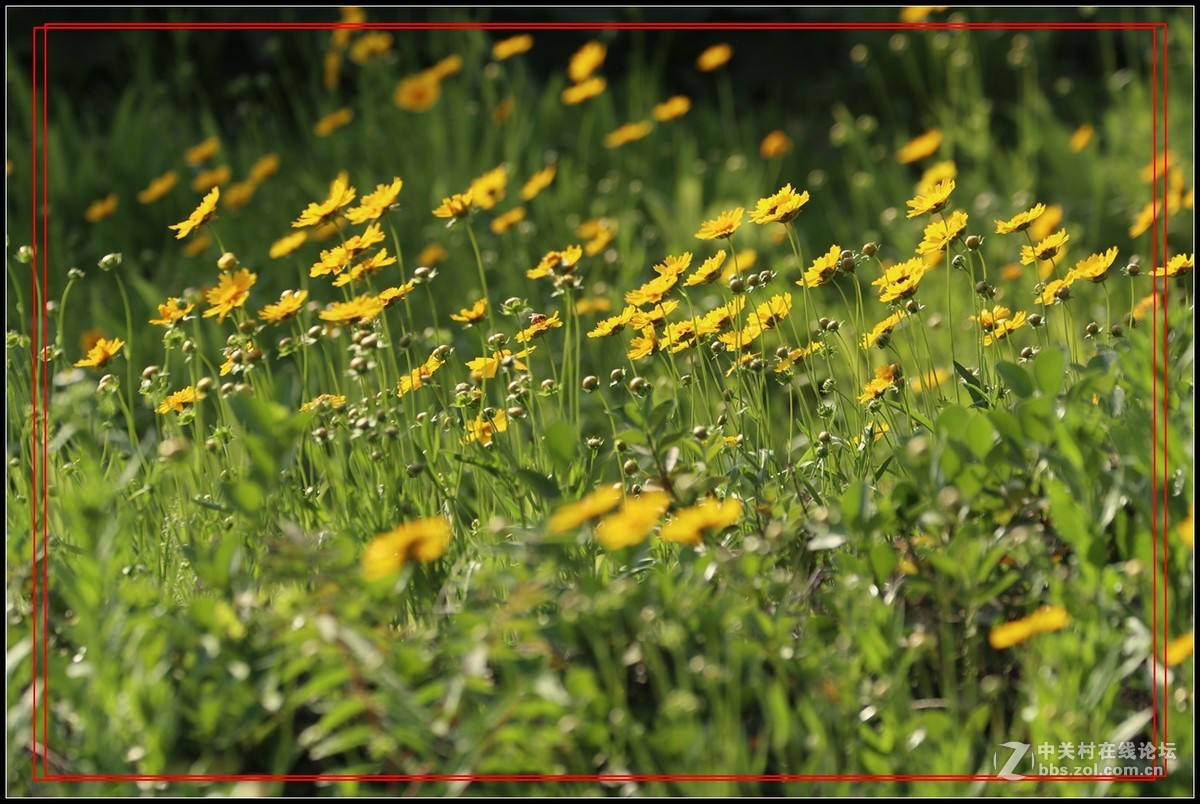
110, 261
228, 261
590, 383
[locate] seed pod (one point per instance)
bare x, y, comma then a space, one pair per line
630, 468
590, 383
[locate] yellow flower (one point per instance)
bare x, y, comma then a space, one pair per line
287, 245
330, 400
724, 225
680, 335
264, 168
537, 326
456, 206
940, 234
158, 188
822, 269
574, 95
886, 378
333, 121
509, 219
713, 58
775, 145
1022, 221
708, 271
586, 61
333, 261
1056, 291
633, 522
289, 304
795, 356
417, 93
1046, 249
688, 526
1046, 223
934, 200
104, 350
641, 319
919, 148
238, 195
231, 292
1160, 166
488, 190
1185, 528
771, 312
390, 296
171, 312
673, 107
1043, 621
484, 431
1144, 220
369, 46
1094, 267
901, 281
419, 376
630, 132
719, 319
471, 314
599, 502
372, 206
644, 345
599, 232
915, 14
537, 182
424, 540
333, 66
431, 255
369, 266
1179, 649
1081, 137
613, 324
935, 173
202, 152
513, 46
361, 309
177, 400
781, 207
488, 366
565, 261
208, 179
653, 291
341, 194
451, 65
883, 329
355, 17
504, 110
1177, 265
1003, 329
988, 319
101, 209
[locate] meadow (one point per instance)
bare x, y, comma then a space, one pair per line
429, 406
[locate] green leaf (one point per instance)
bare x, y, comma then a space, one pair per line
854, 505
883, 561
953, 420
978, 399
1008, 427
980, 436
1016, 378
1049, 369
544, 486
1035, 416
247, 496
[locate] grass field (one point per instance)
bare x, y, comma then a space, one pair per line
419, 408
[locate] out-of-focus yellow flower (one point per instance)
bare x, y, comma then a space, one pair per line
920, 147
598, 304
586, 61
424, 541
556, 262
239, 194
930, 379
775, 145
1046, 223
263, 169
504, 110
198, 245
598, 503
333, 121
630, 132
1179, 649
287, 245
1043, 621
689, 525
158, 188
509, 219
417, 93
537, 182
431, 255
1160, 166
208, 179
325, 400
671, 108
101, 209
332, 68
513, 46
451, 65
201, 215
945, 170
714, 58
488, 366
1081, 137
488, 190
915, 14
202, 152
369, 46
633, 522
578, 93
